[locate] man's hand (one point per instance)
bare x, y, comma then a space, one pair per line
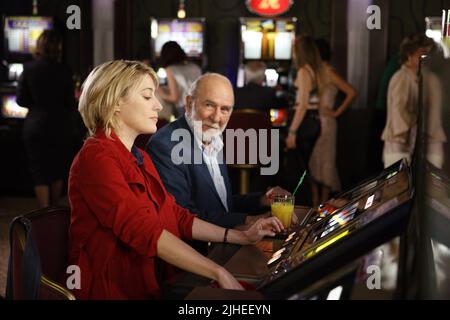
272, 192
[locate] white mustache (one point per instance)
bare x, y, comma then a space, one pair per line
213, 126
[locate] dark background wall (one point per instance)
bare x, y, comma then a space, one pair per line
408, 16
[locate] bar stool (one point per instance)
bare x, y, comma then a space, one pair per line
247, 119
38, 257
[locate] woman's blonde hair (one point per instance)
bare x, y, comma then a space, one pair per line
307, 53
103, 88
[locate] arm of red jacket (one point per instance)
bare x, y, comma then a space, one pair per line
185, 219
109, 197
183, 216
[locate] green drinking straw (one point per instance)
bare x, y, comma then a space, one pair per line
299, 183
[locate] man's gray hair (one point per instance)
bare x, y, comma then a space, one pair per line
194, 86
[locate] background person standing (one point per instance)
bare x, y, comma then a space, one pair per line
46, 89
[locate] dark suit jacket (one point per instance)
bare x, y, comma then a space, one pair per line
253, 96
192, 185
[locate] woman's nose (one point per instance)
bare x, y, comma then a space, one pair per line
158, 106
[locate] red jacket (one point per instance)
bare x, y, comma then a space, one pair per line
118, 211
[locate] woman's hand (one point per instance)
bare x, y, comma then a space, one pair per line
291, 141
261, 228
227, 281
250, 220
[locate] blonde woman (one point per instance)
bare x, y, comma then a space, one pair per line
304, 128
125, 228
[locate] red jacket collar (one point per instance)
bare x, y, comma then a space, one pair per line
147, 164
120, 147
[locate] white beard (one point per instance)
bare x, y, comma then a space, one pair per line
204, 136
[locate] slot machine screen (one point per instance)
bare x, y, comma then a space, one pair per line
383, 199
10, 108
434, 28
279, 117
349, 232
367, 186
271, 77
349, 217
21, 33
188, 33
14, 71
267, 39
357, 213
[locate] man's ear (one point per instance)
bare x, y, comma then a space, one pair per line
189, 103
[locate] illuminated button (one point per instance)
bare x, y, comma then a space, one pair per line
335, 294
275, 258
279, 252
290, 236
369, 202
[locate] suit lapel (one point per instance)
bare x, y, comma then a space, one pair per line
203, 169
224, 172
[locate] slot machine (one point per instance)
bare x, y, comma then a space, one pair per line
344, 197
20, 37
20, 34
270, 40
372, 276
377, 274
189, 33
363, 223
335, 247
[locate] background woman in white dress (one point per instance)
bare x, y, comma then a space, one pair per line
181, 73
323, 159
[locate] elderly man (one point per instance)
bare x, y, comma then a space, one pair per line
200, 181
